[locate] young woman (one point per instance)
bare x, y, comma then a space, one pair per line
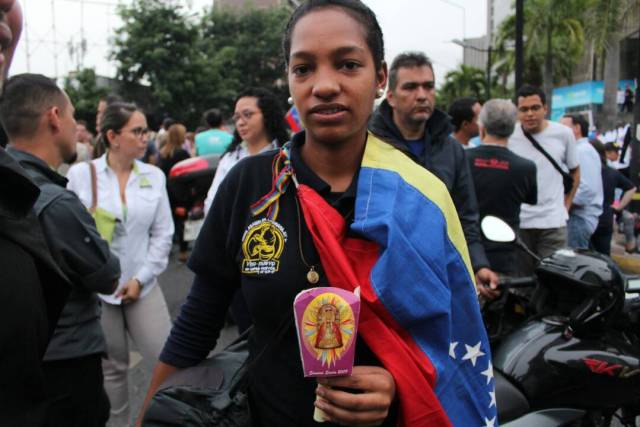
173, 151
281, 219
170, 154
135, 194
260, 126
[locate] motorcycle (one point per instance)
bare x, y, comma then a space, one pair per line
188, 183
576, 360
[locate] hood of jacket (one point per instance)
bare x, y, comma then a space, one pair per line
381, 124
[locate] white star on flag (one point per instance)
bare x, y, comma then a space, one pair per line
452, 349
473, 353
488, 373
490, 422
493, 398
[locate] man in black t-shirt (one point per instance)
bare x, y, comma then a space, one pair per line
503, 180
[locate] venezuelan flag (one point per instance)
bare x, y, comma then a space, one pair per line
420, 313
293, 120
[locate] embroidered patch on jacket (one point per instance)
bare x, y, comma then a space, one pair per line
262, 245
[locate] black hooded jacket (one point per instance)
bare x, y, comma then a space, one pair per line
445, 158
33, 291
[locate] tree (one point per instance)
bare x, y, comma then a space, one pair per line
244, 49
193, 63
554, 35
84, 93
605, 20
465, 81
158, 44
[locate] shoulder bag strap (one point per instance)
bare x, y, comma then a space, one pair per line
94, 187
544, 153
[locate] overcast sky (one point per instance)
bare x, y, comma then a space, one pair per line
426, 25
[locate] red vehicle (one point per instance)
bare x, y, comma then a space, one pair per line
188, 185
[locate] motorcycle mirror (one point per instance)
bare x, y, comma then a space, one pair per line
497, 230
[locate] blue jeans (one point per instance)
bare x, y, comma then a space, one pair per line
579, 232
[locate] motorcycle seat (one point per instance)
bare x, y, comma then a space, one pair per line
510, 401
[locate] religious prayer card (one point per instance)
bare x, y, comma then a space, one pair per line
327, 324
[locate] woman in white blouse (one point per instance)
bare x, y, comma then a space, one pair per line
135, 193
260, 126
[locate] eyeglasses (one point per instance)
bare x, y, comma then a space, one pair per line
245, 115
138, 132
533, 108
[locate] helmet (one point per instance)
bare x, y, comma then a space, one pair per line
584, 286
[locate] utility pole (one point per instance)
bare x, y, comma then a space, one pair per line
519, 44
26, 39
489, 50
55, 39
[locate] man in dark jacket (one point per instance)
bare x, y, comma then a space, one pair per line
33, 289
409, 120
38, 118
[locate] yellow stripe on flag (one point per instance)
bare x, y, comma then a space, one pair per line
380, 155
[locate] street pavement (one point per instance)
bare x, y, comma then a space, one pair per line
175, 283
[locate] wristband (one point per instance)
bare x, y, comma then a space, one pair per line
139, 283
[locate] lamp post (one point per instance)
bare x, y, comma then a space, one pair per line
519, 42
488, 51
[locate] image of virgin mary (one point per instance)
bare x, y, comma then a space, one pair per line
328, 328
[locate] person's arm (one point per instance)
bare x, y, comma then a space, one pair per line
626, 198
160, 239
568, 198
194, 333
571, 162
77, 247
221, 172
464, 198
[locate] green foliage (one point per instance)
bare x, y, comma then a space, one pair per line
198, 62
84, 93
604, 21
465, 81
244, 50
554, 34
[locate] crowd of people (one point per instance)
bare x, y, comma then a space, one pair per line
398, 185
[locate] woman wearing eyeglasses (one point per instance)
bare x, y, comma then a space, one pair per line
135, 194
260, 126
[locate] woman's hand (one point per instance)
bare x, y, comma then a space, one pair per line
130, 292
369, 408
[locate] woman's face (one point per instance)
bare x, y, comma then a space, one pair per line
332, 76
249, 120
131, 140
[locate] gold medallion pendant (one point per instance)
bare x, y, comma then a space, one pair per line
312, 276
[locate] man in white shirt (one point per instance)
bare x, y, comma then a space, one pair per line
587, 204
543, 225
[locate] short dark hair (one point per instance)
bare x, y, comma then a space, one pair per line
530, 90
407, 60
213, 118
81, 122
167, 122
578, 119
25, 98
356, 9
610, 146
115, 117
601, 149
461, 110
